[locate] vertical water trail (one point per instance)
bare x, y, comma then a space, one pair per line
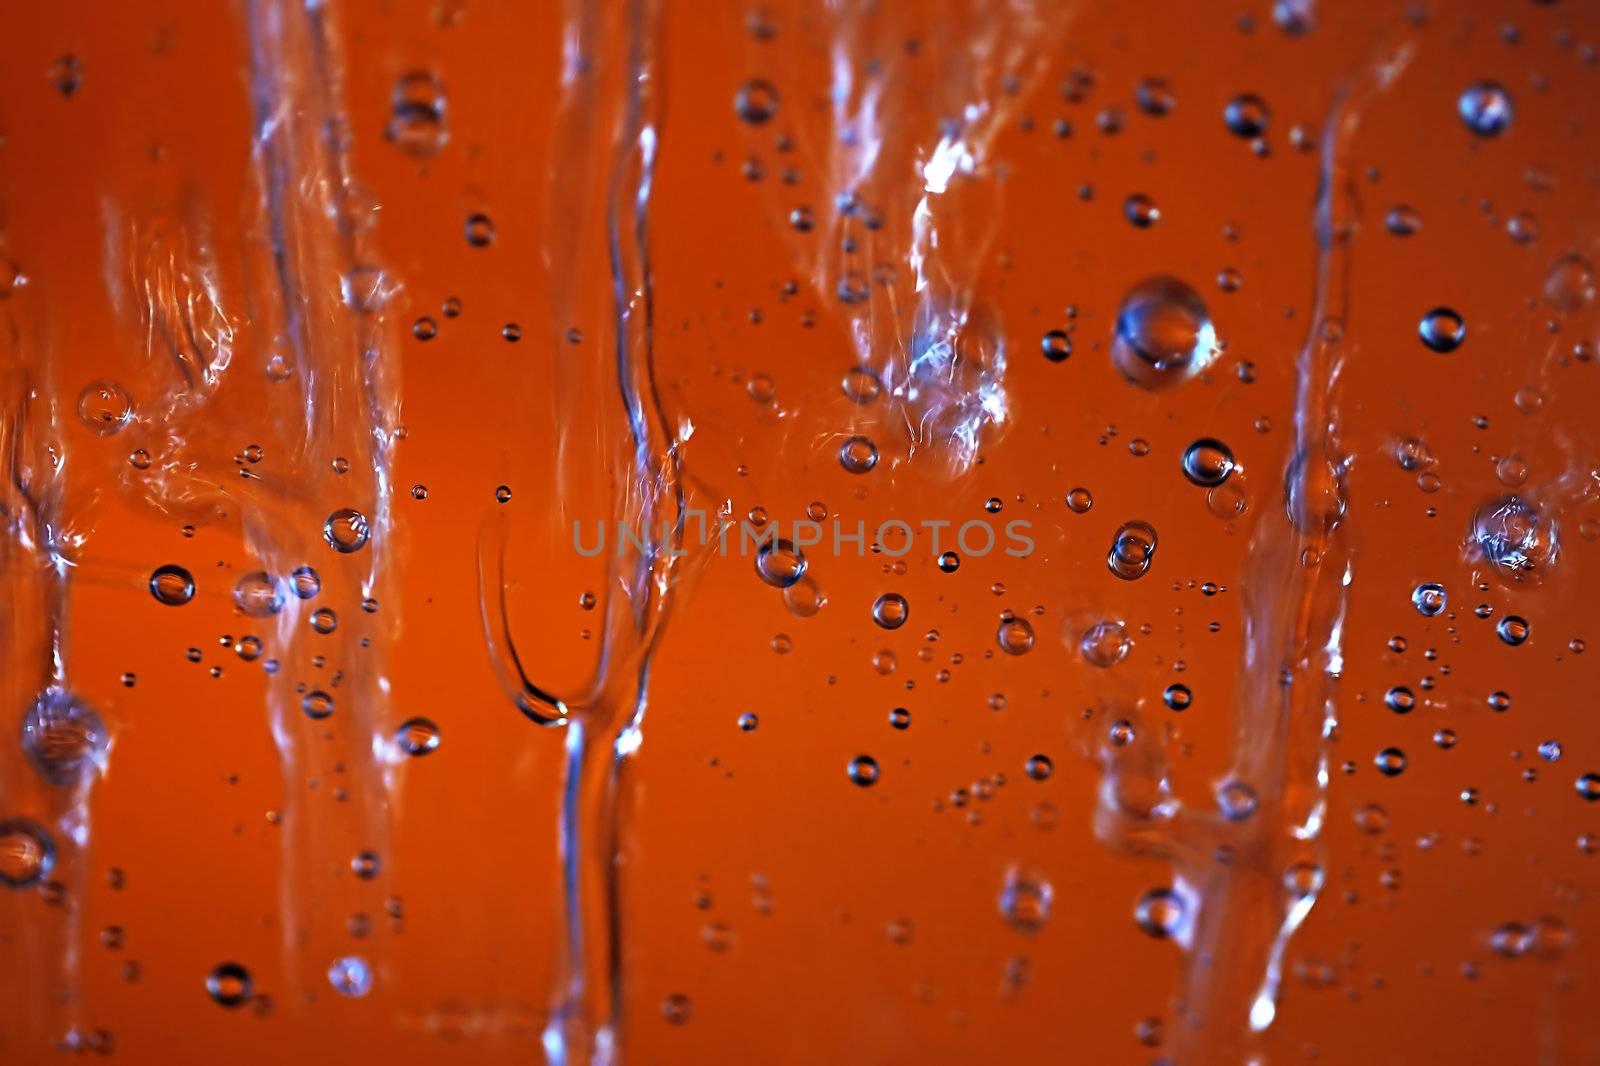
1248, 883
611, 89
60, 744
908, 201
324, 320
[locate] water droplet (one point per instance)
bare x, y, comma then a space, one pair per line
1246, 115
305, 583
324, 620
676, 1009
891, 610
1513, 629
1025, 900
229, 984
1155, 97
1015, 635
317, 704
1039, 767
1402, 220
1079, 501
27, 852
863, 770
1400, 700
258, 595
63, 737
1207, 462
858, 455
105, 407
346, 530
756, 102
1391, 761
350, 975
1163, 335
1588, 786
1485, 108
1570, 283
1141, 210
1515, 539
1177, 696
1057, 345
172, 585
1132, 551
1442, 330
417, 737
780, 563
417, 115
1105, 644
1237, 801
1160, 913
480, 230
1429, 599
861, 385
365, 864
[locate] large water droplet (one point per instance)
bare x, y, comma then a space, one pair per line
1164, 334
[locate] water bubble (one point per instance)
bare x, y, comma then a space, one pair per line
1025, 900
172, 585
1442, 330
858, 455
1390, 761
1513, 629
891, 610
780, 563
1514, 538
105, 407
417, 115
346, 530
63, 737
1105, 644
900, 718
1429, 599
863, 770
324, 620
27, 852
1485, 108
1207, 462
1015, 635
1039, 767
229, 984
756, 102
248, 648
1057, 345
1160, 913
949, 562
317, 704
1079, 500
1163, 335
1177, 696
350, 975
1246, 115
1550, 750
1588, 786
1132, 551
417, 737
